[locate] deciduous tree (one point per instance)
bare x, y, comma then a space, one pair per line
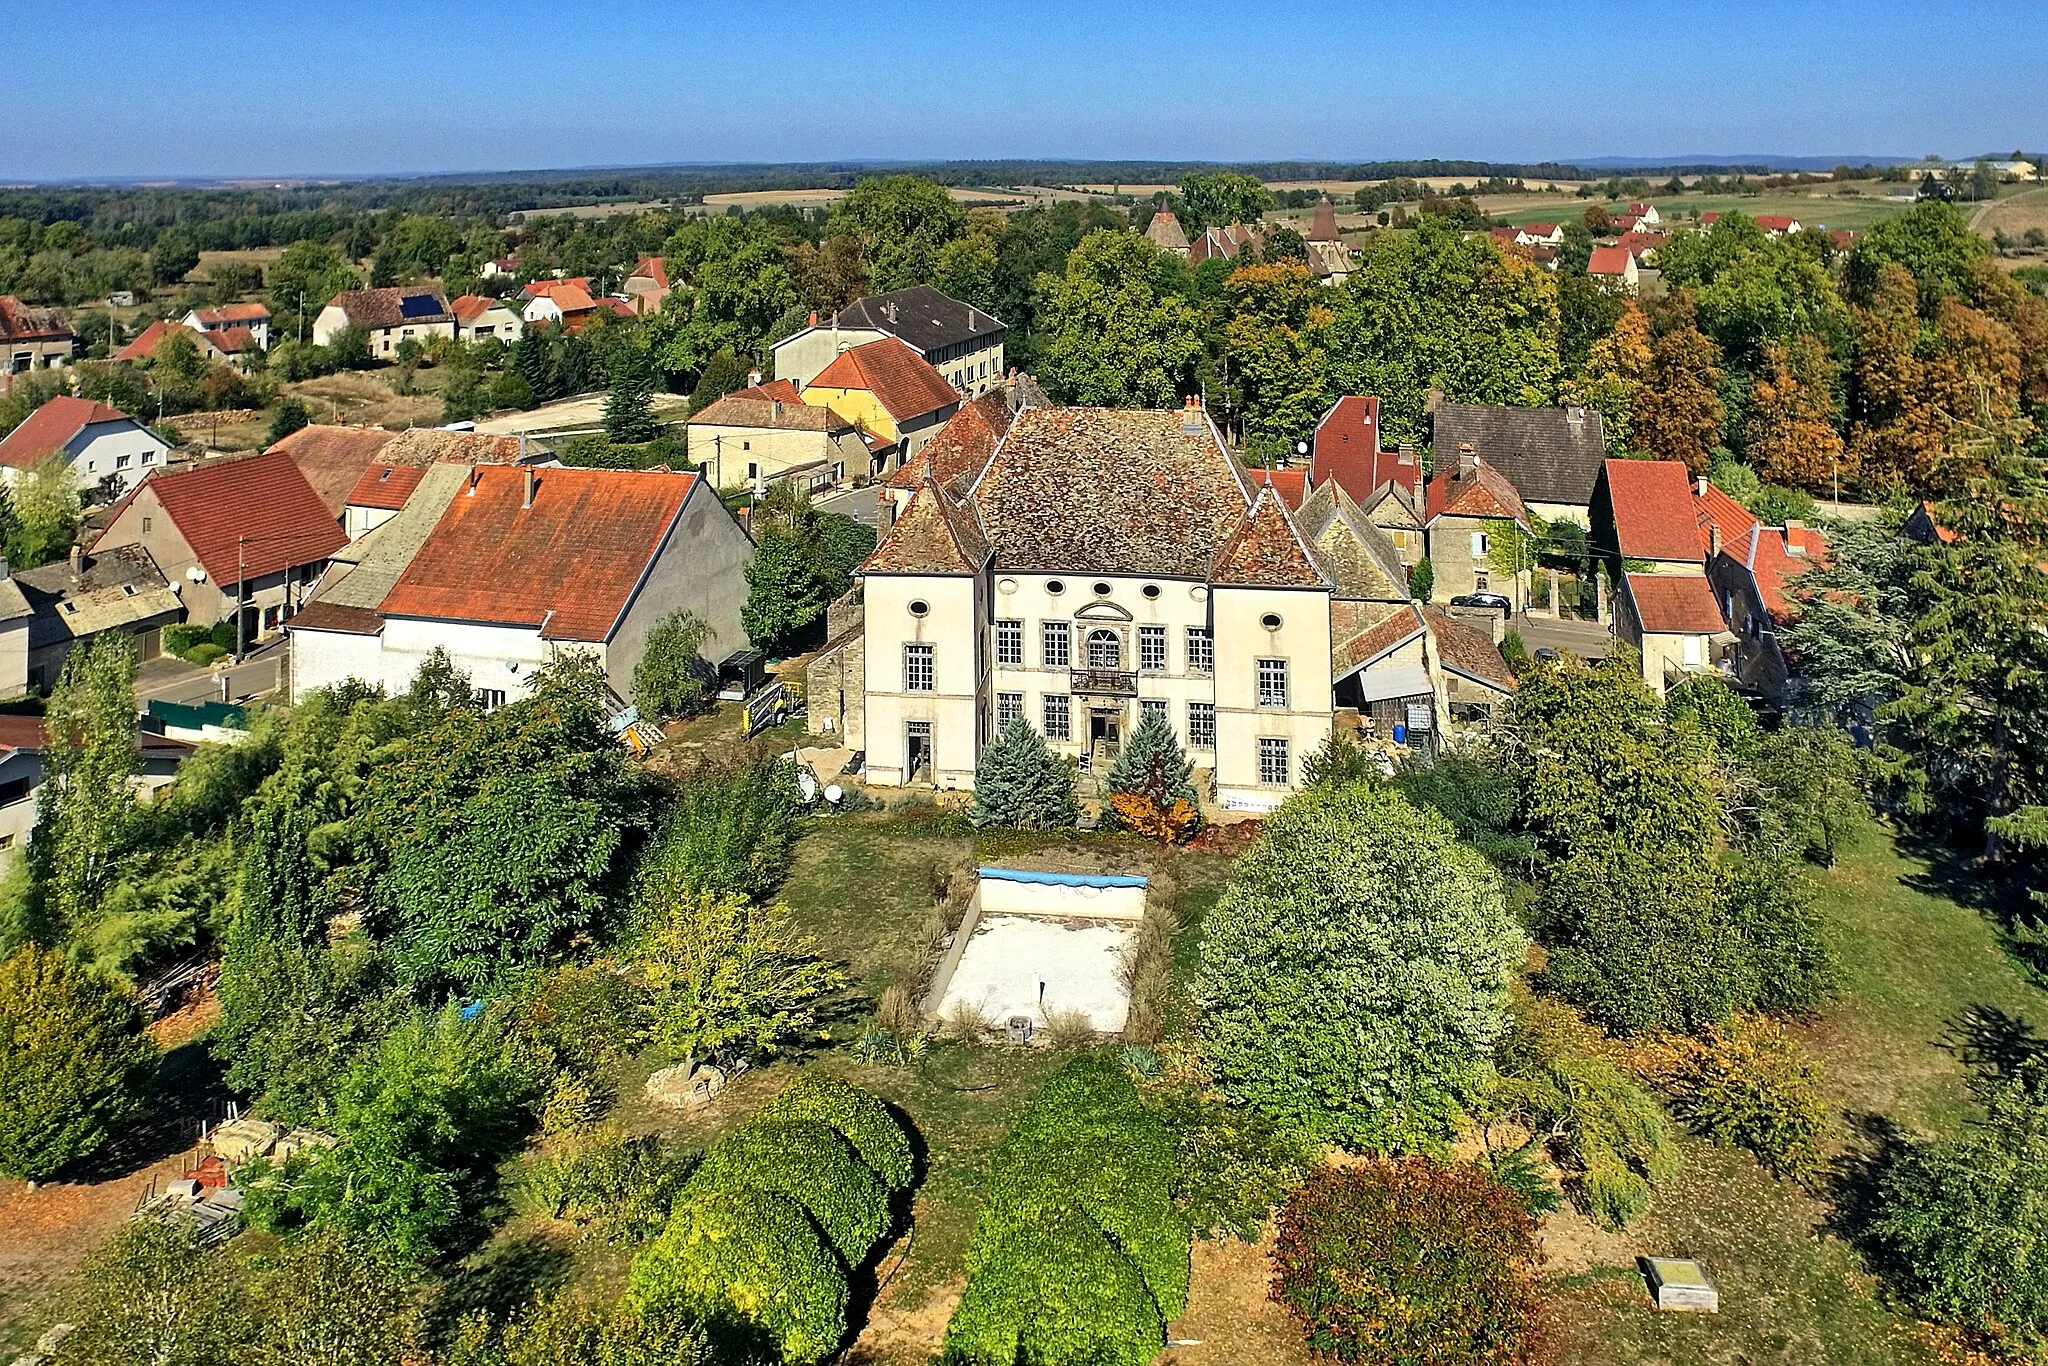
1115, 331
1678, 410
73, 1062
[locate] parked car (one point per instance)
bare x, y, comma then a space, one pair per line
1495, 601
1546, 655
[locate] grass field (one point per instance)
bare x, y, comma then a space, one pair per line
1921, 971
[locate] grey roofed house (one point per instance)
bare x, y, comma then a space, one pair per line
921, 316
118, 589
1551, 455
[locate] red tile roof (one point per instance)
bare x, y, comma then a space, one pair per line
1713, 510
386, 486
536, 288
1775, 222
902, 381
50, 427
1485, 492
1291, 485
470, 307
1773, 561
1641, 244
569, 564
156, 334
230, 314
334, 458
1347, 449
1539, 229
1653, 509
1609, 261
247, 518
961, 449
653, 268
1674, 604
570, 296
233, 340
1469, 651
20, 322
933, 535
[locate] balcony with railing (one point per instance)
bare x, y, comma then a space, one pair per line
1104, 683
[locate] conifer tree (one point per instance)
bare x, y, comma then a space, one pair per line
1021, 783
1149, 782
629, 407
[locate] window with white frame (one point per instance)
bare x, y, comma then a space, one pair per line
1058, 717
1009, 706
1055, 644
490, 699
1272, 762
917, 668
1691, 651
1201, 650
1272, 682
1149, 705
1479, 543
1152, 649
1202, 725
1010, 644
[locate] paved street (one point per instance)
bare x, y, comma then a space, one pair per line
173, 680
860, 504
1586, 639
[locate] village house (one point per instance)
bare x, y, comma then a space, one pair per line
646, 285
1646, 214
16, 619
22, 739
105, 450
963, 343
1674, 622
765, 433
1644, 517
84, 596
1551, 455
32, 339
1750, 566
1166, 233
1777, 225
1540, 235
1104, 562
507, 568
334, 458
251, 318
246, 531
388, 317
570, 303
1474, 687
889, 391
480, 318
1465, 512
1226, 243
1329, 260
1614, 267
378, 496
1643, 246
958, 453
234, 346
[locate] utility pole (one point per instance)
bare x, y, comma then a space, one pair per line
302, 317
241, 586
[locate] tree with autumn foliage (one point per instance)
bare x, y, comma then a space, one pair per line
1790, 434
1616, 366
1678, 411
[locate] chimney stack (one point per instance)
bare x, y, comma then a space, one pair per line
526, 500
77, 559
753, 379
814, 317
1713, 539
1468, 460
1795, 537
1408, 452
1700, 487
1191, 418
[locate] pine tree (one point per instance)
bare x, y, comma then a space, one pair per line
533, 360
1153, 770
1022, 784
629, 407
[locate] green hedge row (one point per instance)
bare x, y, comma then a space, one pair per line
763, 1236
1079, 1256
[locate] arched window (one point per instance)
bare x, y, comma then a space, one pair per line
1105, 650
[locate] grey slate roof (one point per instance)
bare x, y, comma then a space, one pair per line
117, 587
1552, 455
922, 316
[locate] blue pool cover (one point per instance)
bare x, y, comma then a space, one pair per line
1062, 879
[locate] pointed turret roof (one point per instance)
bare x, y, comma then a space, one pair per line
1267, 551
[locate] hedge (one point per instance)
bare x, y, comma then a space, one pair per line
1052, 1291
804, 1161
856, 1115
749, 1265
1079, 1255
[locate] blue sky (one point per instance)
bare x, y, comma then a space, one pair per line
283, 87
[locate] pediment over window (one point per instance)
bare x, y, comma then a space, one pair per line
1102, 611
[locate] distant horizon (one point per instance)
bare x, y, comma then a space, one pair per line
395, 88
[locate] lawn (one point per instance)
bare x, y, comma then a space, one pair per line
1812, 205
1923, 974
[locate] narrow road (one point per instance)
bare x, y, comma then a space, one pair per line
169, 679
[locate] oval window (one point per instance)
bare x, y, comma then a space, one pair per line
1055, 587
918, 607
1101, 590
1271, 621
1151, 590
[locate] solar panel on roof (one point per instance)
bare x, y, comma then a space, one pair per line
418, 306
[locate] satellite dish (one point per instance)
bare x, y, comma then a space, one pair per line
834, 794
807, 784
1301, 448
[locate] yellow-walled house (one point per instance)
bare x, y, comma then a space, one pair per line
888, 391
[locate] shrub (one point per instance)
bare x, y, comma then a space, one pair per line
1079, 1255
672, 678
1966, 1219
1605, 1133
1153, 768
1053, 1292
1234, 1164
73, 1062
1354, 975
568, 1328
748, 1265
733, 829
1021, 784
182, 637
1745, 1086
856, 1115
206, 655
806, 1162
223, 634
622, 1187
1410, 1261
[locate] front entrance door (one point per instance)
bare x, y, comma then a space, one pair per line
1104, 730
917, 752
